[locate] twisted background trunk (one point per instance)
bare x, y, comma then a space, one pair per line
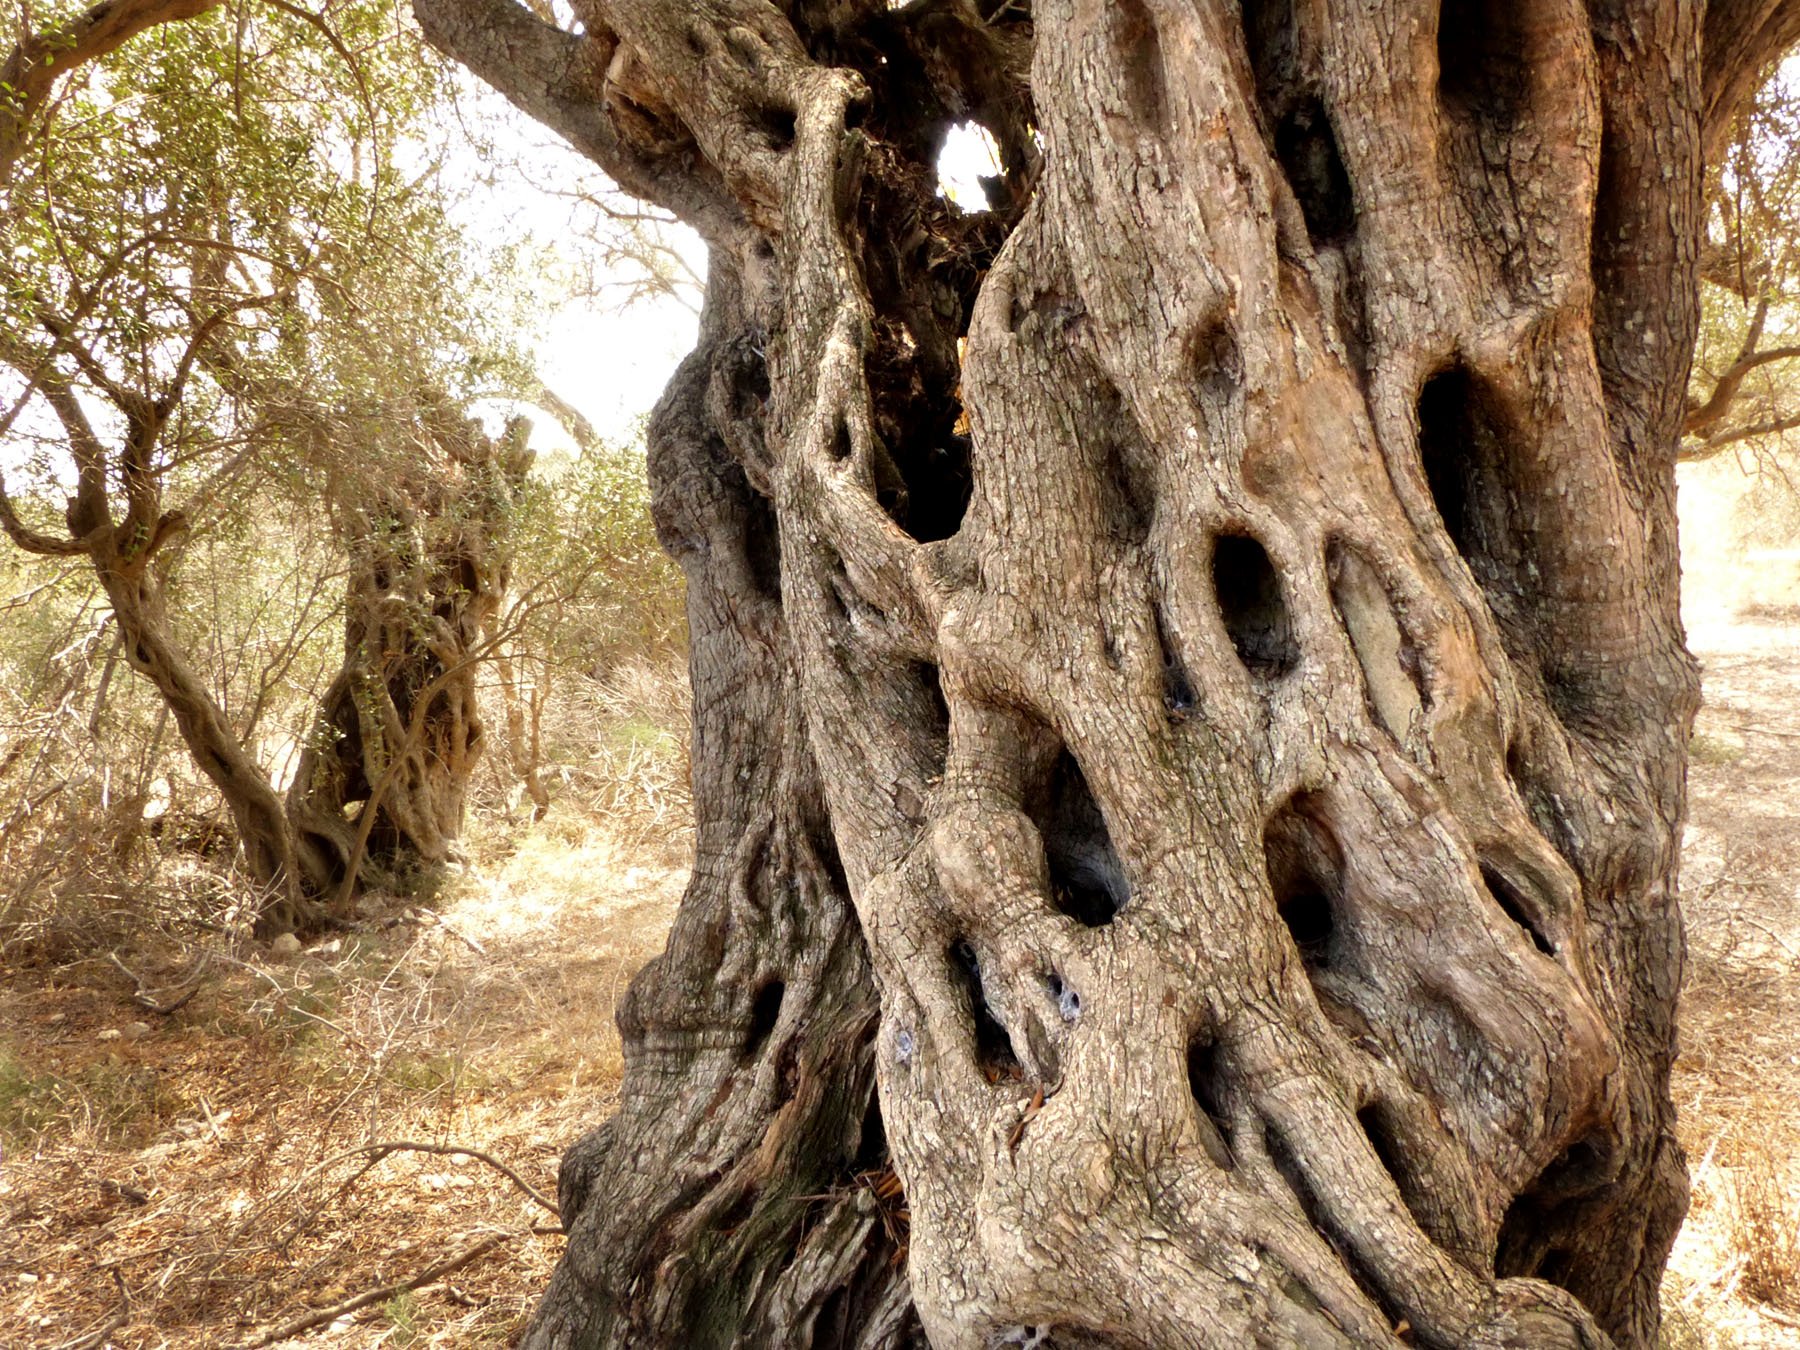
399, 730
1227, 801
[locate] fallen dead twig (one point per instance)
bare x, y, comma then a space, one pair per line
320, 1316
145, 997
375, 1152
381, 1150
90, 1340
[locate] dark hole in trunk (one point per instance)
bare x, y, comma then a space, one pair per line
1481, 60
765, 1010
1305, 876
1307, 149
841, 445
739, 1210
1517, 908
934, 687
934, 486
762, 545
1448, 449
1253, 607
1087, 881
825, 846
871, 1143
1203, 1083
993, 1047
1525, 1246
1373, 1119
777, 127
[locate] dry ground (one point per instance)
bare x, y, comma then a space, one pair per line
189, 1181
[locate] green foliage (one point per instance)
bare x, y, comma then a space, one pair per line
594, 584
249, 193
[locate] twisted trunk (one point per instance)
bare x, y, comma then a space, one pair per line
1227, 800
400, 731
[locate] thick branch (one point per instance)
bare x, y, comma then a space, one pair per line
545, 73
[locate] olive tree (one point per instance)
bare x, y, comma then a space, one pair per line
222, 294
1189, 700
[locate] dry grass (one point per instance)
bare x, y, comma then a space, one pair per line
210, 1157
1738, 1075
219, 1160
1766, 1229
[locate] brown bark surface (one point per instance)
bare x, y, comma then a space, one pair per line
1190, 698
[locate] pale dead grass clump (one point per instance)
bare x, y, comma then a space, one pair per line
1765, 1227
1736, 1263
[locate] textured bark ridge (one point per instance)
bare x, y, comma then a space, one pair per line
1189, 693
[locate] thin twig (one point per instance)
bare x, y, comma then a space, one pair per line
320, 1316
381, 1150
97, 1337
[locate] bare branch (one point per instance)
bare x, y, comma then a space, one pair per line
1741, 38
320, 1316
1712, 445
32, 541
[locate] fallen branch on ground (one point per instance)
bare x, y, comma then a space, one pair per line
377, 1151
320, 1316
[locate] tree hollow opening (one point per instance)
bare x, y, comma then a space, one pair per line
1307, 149
765, 1012
1205, 1083
1087, 880
1253, 607
1517, 908
1305, 869
1482, 69
993, 1046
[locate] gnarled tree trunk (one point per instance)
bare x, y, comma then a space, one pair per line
400, 730
1228, 801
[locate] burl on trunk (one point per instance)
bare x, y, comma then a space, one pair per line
1190, 708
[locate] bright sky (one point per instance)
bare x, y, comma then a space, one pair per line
609, 359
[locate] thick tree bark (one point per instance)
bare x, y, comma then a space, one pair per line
1253, 757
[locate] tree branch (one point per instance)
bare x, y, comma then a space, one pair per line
32, 541
41, 59
1701, 417
1741, 38
548, 74
1712, 445
320, 1316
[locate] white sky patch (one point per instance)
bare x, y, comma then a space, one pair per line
608, 359
968, 156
